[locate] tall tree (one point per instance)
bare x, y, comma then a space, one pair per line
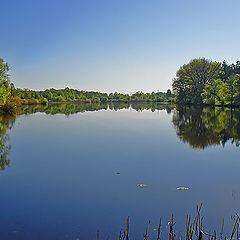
4, 82
191, 79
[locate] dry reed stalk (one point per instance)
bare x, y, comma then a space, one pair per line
127, 228
145, 237
159, 229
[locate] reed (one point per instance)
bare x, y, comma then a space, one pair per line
159, 229
194, 230
127, 228
146, 234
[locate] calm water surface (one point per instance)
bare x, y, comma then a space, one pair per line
60, 179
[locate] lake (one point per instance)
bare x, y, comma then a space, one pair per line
69, 171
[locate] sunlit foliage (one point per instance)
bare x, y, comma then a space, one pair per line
191, 79
73, 95
5, 89
202, 81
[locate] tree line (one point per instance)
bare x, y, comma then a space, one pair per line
11, 97
74, 95
203, 81
199, 82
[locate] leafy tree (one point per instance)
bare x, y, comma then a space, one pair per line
12, 88
169, 93
43, 100
4, 82
236, 87
221, 92
216, 93
4, 92
4, 68
191, 79
227, 71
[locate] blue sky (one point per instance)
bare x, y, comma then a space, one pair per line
113, 45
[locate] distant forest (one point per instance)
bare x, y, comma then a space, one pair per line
73, 95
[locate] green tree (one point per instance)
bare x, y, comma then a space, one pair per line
236, 87
5, 89
221, 92
4, 92
191, 79
216, 93
168, 93
12, 88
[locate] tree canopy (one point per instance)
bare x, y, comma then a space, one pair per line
221, 92
191, 79
5, 89
203, 81
74, 95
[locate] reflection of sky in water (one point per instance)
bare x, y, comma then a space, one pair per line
62, 181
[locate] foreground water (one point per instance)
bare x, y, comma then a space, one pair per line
71, 170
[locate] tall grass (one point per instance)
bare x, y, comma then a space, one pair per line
194, 230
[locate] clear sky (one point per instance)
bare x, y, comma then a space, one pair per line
113, 45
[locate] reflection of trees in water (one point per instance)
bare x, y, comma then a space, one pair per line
6, 122
68, 109
199, 127
202, 127
152, 106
